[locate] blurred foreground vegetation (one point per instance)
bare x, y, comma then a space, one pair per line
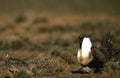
45, 34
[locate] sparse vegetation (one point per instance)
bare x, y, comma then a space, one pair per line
47, 65
48, 40
55, 48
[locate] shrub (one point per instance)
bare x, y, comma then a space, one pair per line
47, 65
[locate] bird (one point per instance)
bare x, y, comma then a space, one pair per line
92, 58
14, 64
84, 55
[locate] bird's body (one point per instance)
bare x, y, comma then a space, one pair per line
14, 64
84, 55
91, 57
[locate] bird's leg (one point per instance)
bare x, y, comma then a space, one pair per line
83, 70
86, 70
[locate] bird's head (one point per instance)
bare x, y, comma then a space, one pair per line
81, 38
6, 56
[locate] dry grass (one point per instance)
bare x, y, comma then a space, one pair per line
49, 43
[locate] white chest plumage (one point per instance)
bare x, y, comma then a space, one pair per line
84, 55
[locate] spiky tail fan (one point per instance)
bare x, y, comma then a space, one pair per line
109, 47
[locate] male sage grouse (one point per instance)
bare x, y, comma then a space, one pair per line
94, 58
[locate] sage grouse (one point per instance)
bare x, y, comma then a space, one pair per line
92, 57
15, 64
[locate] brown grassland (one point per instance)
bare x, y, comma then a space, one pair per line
48, 40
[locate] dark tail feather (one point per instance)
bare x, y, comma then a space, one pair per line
109, 46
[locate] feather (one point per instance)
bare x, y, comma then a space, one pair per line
89, 56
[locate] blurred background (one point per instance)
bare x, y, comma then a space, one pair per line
32, 28
109, 7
